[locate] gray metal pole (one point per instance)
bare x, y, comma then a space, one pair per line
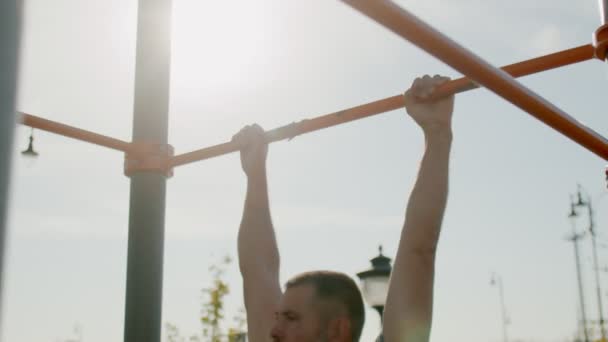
587, 203
597, 271
581, 295
143, 305
10, 20
497, 280
604, 11
505, 319
575, 238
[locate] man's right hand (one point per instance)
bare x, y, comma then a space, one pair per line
254, 149
433, 116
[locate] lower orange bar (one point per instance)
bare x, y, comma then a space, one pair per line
73, 132
544, 63
432, 41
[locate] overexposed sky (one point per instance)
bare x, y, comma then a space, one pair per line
336, 194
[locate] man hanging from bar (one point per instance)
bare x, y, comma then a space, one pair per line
327, 306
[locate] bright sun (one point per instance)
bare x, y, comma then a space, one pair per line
220, 41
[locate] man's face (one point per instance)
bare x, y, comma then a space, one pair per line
298, 319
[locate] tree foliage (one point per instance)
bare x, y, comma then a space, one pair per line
213, 313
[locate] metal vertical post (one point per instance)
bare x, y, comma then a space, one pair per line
497, 280
575, 237
587, 203
143, 305
597, 271
604, 11
10, 20
581, 295
600, 36
505, 319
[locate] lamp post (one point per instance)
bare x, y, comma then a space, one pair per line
374, 282
145, 247
574, 238
29, 152
587, 203
497, 281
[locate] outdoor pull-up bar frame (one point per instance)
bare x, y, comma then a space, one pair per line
149, 158
523, 68
427, 38
73, 132
532, 66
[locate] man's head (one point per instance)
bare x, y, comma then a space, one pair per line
320, 306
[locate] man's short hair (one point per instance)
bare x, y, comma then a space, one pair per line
338, 287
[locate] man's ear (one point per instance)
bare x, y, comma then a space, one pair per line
339, 330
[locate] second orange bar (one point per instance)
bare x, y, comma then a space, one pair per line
432, 41
543, 63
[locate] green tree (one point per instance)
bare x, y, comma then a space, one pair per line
173, 333
213, 312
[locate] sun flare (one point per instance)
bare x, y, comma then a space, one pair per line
219, 42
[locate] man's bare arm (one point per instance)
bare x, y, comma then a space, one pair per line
257, 247
409, 304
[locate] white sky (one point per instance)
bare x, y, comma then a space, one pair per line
336, 194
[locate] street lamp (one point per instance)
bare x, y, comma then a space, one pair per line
575, 237
587, 203
497, 281
29, 152
374, 282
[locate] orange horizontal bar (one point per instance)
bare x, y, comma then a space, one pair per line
547, 62
532, 66
73, 132
432, 41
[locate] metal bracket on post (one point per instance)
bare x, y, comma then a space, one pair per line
600, 42
149, 157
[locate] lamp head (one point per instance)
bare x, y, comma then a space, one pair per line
29, 152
